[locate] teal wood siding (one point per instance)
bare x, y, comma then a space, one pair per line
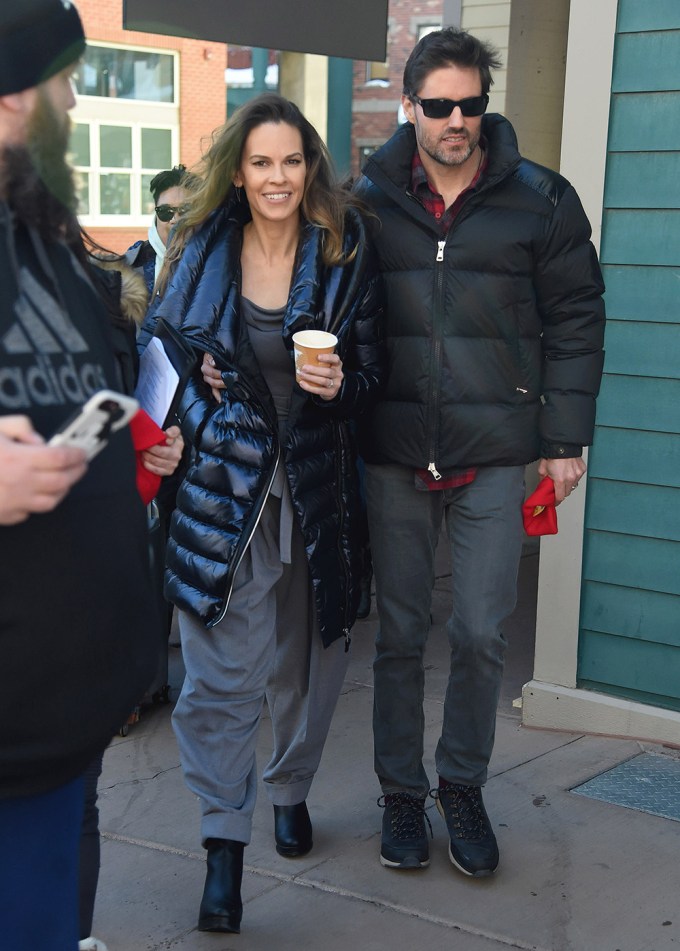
629, 644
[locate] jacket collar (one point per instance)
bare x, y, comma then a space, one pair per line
390, 166
204, 290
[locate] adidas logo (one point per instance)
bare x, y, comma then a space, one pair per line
40, 365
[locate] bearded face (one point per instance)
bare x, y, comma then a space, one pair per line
47, 144
35, 177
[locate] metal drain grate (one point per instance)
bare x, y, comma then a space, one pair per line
650, 782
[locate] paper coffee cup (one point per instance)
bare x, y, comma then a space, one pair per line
308, 344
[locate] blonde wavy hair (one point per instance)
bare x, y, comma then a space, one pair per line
324, 202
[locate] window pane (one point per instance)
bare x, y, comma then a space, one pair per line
126, 74
426, 28
156, 148
377, 71
114, 192
146, 202
115, 145
83, 182
80, 144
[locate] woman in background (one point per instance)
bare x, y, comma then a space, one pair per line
171, 191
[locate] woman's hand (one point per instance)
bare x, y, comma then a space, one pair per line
324, 381
212, 376
162, 460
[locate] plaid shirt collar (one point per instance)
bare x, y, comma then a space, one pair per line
431, 200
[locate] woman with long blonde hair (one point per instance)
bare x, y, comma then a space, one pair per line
264, 554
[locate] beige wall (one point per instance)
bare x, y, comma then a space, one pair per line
304, 79
491, 22
531, 36
536, 69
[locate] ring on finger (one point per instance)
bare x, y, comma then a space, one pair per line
330, 383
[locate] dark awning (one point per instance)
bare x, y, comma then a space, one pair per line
356, 29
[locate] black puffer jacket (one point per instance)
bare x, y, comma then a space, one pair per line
236, 447
495, 335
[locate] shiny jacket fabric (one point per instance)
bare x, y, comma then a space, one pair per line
494, 334
236, 445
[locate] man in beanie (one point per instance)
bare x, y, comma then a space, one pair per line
75, 627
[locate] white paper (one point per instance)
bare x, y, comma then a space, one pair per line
158, 381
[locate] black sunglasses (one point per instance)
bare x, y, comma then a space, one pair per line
167, 212
442, 108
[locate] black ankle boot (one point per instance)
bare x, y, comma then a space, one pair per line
221, 906
292, 830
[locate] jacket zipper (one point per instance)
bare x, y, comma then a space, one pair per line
341, 510
435, 387
264, 497
263, 501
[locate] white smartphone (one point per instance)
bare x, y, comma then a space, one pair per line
104, 413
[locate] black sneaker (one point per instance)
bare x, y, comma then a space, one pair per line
472, 847
404, 837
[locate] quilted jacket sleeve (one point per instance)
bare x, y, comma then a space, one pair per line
364, 357
569, 290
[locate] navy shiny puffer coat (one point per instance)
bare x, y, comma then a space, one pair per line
236, 448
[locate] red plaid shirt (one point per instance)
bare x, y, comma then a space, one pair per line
434, 204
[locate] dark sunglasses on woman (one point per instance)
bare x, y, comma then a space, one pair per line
167, 212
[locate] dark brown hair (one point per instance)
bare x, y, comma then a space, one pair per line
449, 47
324, 201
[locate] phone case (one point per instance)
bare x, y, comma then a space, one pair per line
104, 413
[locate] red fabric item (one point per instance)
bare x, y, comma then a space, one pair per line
450, 479
538, 512
145, 434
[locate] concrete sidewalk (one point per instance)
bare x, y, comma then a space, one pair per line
576, 874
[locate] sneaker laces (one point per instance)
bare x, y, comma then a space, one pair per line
406, 815
464, 809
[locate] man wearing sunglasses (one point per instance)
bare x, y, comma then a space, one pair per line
494, 324
171, 190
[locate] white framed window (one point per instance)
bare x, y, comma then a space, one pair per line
126, 129
378, 73
123, 72
421, 26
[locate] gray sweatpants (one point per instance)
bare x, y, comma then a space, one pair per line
267, 645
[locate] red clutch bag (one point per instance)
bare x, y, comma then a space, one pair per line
145, 434
538, 512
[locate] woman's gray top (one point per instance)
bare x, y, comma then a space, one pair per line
264, 331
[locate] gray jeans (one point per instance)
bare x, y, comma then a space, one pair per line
484, 526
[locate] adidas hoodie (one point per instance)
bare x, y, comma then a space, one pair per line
77, 625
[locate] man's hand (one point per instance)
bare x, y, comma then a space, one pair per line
162, 460
34, 477
565, 473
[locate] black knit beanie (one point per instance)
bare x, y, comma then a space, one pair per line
38, 38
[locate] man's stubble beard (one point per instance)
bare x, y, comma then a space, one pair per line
447, 157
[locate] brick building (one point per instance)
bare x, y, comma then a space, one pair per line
377, 86
531, 37
145, 102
